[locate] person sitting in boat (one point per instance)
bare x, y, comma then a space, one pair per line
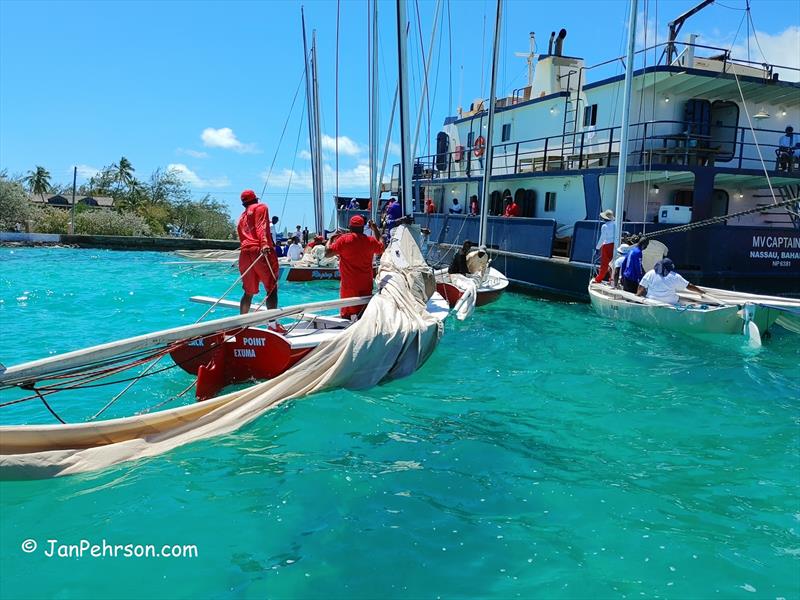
355, 251
354, 204
605, 244
478, 262
456, 208
662, 282
295, 250
459, 264
616, 269
474, 207
512, 208
788, 149
632, 269
258, 262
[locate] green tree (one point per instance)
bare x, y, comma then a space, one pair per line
15, 208
123, 173
38, 181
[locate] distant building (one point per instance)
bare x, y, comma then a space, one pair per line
62, 201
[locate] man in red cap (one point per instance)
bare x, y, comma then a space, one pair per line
258, 262
355, 251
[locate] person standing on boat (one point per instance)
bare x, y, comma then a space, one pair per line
274, 230
616, 269
632, 269
355, 251
662, 283
459, 264
474, 207
258, 262
512, 208
606, 243
295, 250
430, 207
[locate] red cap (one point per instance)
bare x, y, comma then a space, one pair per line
249, 196
357, 221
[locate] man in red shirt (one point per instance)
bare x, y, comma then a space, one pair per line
258, 262
430, 207
512, 208
355, 251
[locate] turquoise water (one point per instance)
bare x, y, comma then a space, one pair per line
541, 452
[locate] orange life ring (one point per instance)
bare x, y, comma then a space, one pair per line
458, 153
480, 145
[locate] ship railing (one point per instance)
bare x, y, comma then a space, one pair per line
651, 144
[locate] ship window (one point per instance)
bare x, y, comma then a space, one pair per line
506, 132
550, 202
590, 115
470, 139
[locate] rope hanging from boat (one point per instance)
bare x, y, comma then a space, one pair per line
722, 219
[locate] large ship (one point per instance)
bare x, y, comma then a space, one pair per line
703, 143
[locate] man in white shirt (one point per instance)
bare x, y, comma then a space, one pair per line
456, 208
606, 243
662, 282
788, 148
274, 230
295, 250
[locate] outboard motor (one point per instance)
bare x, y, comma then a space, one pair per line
560, 42
552, 41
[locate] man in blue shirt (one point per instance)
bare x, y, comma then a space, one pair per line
632, 270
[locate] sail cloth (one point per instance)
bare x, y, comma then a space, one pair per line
394, 337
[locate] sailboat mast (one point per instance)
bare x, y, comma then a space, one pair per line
312, 145
375, 184
402, 82
487, 168
319, 207
622, 168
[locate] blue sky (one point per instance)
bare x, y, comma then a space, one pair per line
207, 86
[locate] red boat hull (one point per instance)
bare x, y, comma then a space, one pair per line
452, 294
221, 359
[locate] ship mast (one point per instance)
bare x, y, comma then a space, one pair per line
487, 169
623, 142
313, 124
374, 177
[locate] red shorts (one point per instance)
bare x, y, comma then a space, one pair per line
265, 271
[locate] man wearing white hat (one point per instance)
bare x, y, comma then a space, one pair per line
606, 243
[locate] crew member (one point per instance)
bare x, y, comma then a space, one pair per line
295, 250
606, 243
512, 208
456, 208
616, 268
632, 270
474, 207
662, 282
459, 264
393, 218
258, 262
430, 207
355, 251
274, 230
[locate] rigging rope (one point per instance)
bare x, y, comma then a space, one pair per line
715, 220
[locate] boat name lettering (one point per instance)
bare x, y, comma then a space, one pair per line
200, 342
250, 341
771, 241
244, 353
763, 254
321, 275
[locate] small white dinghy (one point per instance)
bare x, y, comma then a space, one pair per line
709, 316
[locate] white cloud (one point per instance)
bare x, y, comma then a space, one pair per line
225, 138
350, 180
346, 146
194, 179
394, 149
304, 154
192, 153
87, 172
779, 49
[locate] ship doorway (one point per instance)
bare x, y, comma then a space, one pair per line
719, 203
724, 124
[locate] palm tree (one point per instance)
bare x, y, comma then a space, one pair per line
123, 172
38, 181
